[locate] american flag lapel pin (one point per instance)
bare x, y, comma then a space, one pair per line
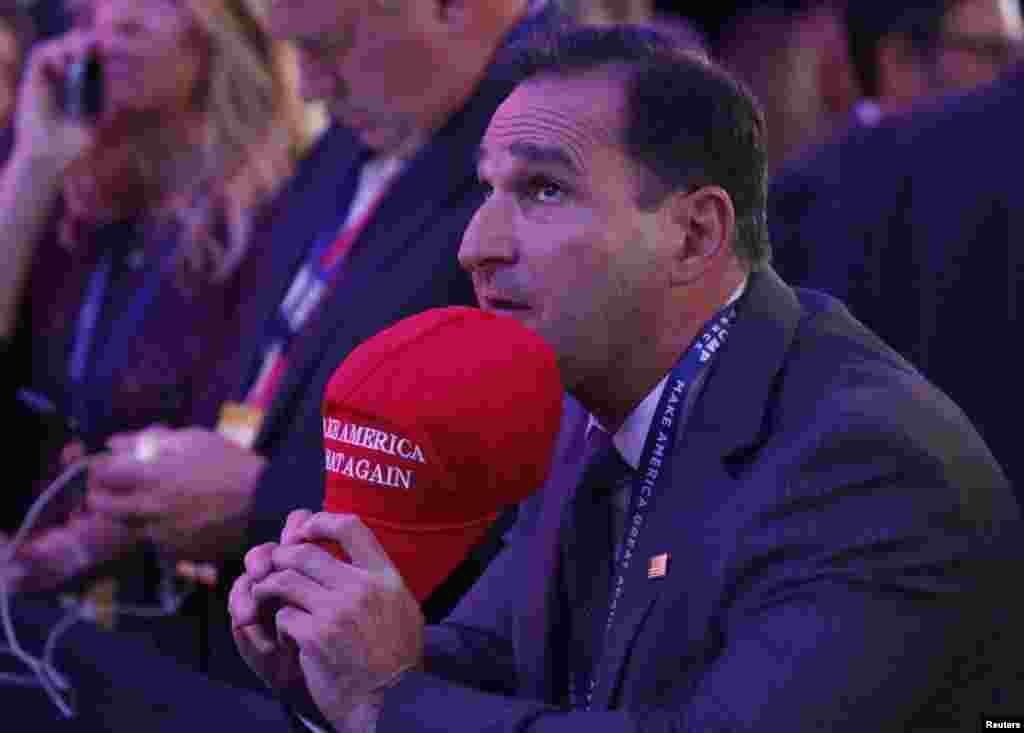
658, 566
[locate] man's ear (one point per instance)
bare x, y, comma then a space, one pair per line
839, 92
901, 78
703, 222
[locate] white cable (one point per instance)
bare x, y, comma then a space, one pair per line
46, 676
44, 673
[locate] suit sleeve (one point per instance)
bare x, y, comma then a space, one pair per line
855, 599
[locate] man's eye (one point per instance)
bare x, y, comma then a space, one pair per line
546, 192
487, 188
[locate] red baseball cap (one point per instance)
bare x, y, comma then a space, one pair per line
434, 425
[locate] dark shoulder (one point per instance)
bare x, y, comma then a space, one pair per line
843, 395
830, 183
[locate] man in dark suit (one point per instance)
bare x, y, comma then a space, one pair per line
916, 225
782, 526
366, 235
901, 56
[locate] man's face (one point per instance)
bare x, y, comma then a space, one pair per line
560, 243
370, 61
980, 39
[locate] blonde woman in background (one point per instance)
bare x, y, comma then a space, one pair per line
124, 238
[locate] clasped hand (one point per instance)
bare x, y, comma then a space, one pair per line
317, 629
189, 490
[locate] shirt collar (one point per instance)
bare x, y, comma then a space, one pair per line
630, 438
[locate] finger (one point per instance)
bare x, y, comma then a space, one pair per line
293, 525
315, 563
60, 547
128, 442
12, 576
355, 539
49, 559
71, 452
241, 605
152, 442
132, 509
122, 443
254, 636
294, 627
289, 587
123, 473
259, 561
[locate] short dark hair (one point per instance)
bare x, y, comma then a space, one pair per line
868, 23
688, 122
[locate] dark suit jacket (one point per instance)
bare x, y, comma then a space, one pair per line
917, 226
828, 515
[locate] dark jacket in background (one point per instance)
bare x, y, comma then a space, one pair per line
918, 225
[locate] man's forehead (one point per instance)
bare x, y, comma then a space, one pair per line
537, 153
556, 121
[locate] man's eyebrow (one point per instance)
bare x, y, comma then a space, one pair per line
538, 154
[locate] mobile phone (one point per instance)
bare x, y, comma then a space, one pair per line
83, 88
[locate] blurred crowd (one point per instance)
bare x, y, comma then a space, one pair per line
192, 263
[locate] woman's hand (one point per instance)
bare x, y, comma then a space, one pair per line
43, 132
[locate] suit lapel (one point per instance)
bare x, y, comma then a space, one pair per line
723, 420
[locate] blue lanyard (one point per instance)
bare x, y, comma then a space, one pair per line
90, 393
653, 462
88, 319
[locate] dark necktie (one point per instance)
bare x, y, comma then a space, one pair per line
588, 548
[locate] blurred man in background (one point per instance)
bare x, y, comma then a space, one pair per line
900, 56
818, 65
903, 53
792, 55
917, 224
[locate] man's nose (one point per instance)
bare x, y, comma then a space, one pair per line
488, 240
